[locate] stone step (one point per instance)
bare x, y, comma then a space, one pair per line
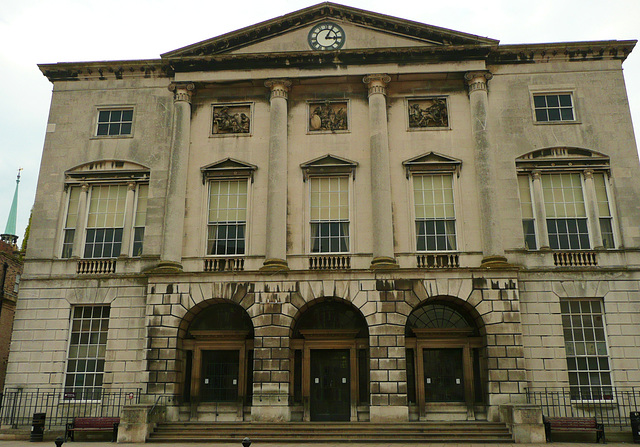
331, 432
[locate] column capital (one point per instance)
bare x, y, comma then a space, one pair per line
279, 87
477, 80
84, 187
588, 173
535, 175
182, 91
377, 83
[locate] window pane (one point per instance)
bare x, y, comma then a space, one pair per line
587, 363
329, 212
553, 107
114, 122
85, 363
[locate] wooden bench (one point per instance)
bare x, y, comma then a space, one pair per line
93, 424
574, 425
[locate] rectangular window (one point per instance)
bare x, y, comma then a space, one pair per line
526, 206
70, 222
329, 213
553, 107
586, 349
140, 219
105, 221
87, 352
227, 217
114, 122
566, 212
435, 212
604, 210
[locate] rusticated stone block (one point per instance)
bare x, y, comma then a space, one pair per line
379, 399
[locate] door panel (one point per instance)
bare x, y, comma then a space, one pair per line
330, 385
443, 375
220, 376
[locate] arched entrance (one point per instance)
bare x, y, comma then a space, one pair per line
329, 346
218, 348
445, 362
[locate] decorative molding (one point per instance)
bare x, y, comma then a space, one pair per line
279, 87
432, 162
562, 159
377, 83
182, 91
329, 165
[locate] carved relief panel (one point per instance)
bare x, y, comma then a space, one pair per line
428, 112
231, 119
328, 116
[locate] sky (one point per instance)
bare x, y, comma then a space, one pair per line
42, 31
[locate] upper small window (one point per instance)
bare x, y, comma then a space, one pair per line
553, 107
115, 122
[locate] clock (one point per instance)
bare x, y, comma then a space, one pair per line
326, 36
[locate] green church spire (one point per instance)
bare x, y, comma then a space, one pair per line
10, 229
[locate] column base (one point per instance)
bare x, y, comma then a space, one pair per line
389, 413
274, 265
384, 263
495, 262
167, 267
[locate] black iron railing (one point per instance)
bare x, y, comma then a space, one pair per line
60, 406
610, 408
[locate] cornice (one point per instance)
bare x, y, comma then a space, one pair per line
566, 51
103, 70
492, 54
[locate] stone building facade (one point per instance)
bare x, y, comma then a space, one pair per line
336, 215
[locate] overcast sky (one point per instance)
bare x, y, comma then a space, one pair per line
44, 31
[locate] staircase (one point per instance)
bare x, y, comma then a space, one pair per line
459, 432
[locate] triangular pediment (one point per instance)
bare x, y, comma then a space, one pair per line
363, 30
228, 167
328, 165
432, 161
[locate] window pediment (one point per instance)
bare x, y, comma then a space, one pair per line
432, 162
107, 170
229, 167
329, 165
562, 158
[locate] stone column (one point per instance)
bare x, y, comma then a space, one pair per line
81, 222
593, 214
539, 211
276, 249
128, 220
173, 229
486, 170
383, 250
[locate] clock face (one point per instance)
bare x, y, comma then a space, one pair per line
326, 36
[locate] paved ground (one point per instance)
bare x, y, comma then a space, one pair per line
4, 443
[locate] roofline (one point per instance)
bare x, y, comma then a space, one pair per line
296, 16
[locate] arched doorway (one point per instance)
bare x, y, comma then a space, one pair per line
330, 359
218, 348
445, 362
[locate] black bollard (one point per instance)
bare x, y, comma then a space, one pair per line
59, 441
246, 442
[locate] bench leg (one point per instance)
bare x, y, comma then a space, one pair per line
114, 436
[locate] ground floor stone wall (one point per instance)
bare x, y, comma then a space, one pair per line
517, 314
543, 337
